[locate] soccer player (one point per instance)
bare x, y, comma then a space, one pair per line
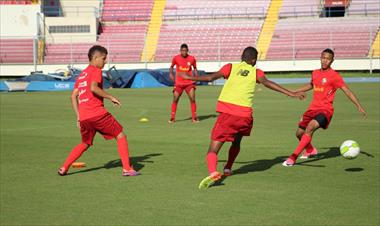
184, 64
87, 103
325, 82
235, 109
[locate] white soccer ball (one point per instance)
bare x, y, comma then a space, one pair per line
349, 149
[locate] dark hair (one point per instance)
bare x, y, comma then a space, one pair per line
184, 45
95, 48
328, 51
249, 53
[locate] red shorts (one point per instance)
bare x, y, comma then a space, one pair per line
228, 126
180, 88
105, 124
323, 117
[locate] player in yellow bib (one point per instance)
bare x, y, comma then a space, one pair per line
235, 109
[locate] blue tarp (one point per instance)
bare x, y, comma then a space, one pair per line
3, 87
145, 80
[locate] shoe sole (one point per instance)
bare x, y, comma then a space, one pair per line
287, 165
207, 182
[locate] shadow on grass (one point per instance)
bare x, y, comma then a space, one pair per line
136, 162
266, 164
200, 118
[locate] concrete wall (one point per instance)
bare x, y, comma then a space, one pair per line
18, 20
266, 66
79, 7
71, 37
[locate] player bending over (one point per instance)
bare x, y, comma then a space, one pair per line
235, 109
87, 102
325, 81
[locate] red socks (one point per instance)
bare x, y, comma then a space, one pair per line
74, 155
232, 154
212, 161
174, 109
305, 141
193, 110
122, 148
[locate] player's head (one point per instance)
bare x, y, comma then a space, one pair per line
249, 55
184, 49
327, 58
97, 55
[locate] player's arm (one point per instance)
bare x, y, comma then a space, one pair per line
305, 88
206, 78
171, 75
274, 86
101, 93
354, 100
74, 103
195, 68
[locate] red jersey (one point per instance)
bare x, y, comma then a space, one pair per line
234, 109
325, 84
183, 64
90, 105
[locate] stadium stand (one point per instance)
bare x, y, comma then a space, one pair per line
16, 50
213, 29
363, 7
208, 40
126, 10
303, 39
199, 9
16, 2
124, 43
295, 8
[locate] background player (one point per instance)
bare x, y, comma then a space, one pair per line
184, 64
87, 102
235, 107
325, 81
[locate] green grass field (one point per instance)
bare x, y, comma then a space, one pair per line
38, 131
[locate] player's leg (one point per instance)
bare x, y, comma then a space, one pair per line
310, 149
122, 148
75, 153
88, 132
177, 92
193, 105
232, 154
304, 141
212, 162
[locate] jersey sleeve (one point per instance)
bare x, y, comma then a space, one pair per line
226, 70
76, 84
97, 76
259, 74
339, 82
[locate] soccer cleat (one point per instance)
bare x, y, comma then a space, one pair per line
289, 162
195, 120
130, 173
62, 171
227, 172
210, 180
172, 120
307, 154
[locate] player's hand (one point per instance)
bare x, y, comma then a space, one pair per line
171, 76
299, 95
115, 101
363, 112
78, 124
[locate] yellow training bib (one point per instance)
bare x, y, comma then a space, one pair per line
240, 86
